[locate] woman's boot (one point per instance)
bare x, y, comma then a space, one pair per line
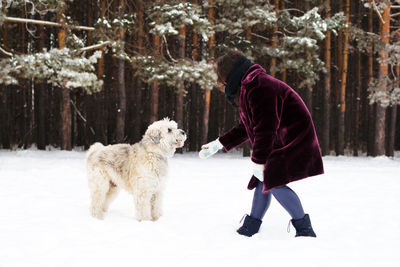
303, 226
250, 226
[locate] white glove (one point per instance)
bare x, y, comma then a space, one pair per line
258, 171
210, 149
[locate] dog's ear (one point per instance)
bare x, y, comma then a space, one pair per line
155, 135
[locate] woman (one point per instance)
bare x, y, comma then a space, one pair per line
279, 127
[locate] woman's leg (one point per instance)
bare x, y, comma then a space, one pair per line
261, 202
289, 200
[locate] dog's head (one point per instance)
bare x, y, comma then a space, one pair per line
165, 135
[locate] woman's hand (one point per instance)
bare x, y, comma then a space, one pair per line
210, 149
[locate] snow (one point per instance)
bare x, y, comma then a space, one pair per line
44, 218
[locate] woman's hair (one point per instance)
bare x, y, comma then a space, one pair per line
226, 63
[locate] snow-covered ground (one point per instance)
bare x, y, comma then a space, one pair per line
44, 218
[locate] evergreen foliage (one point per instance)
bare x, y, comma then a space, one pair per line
168, 18
299, 45
384, 91
59, 67
172, 73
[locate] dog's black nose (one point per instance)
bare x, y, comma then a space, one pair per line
183, 132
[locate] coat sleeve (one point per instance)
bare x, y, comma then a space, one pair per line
265, 105
234, 137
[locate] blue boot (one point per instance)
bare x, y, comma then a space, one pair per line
250, 226
303, 226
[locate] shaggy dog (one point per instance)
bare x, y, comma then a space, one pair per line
141, 169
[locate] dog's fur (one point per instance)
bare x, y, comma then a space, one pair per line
141, 169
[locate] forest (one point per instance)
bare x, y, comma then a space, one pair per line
75, 72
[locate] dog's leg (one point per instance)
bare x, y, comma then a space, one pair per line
110, 196
156, 206
98, 188
96, 207
142, 203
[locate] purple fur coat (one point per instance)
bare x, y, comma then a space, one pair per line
279, 127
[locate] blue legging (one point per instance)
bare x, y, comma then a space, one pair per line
285, 196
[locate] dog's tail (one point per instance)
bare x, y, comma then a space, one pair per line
93, 148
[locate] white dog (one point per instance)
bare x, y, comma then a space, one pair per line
141, 169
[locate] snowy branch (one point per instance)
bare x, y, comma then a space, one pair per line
6, 52
378, 12
96, 46
48, 23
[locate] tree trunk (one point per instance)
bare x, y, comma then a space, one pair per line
207, 91
137, 116
181, 89
194, 103
4, 133
371, 114
27, 94
41, 100
327, 91
155, 89
66, 120
380, 123
392, 131
274, 42
89, 6
393, 120
342, 92
246, 146
283, 70
356, 135
121, 112
65, 100
356, 132
99, 98
308, 96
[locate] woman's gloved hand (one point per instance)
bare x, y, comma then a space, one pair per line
210, 149
258, 171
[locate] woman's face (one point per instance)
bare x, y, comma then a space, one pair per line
221, 82
221, 87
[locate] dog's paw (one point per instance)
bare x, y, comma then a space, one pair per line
97, 215
156, 215
143, 218
155, 218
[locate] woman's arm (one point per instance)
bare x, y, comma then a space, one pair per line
234, 137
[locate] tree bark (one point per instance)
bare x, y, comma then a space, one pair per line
66, 120
327, 91
342, 91
194, 103
393, 119
181, 89
371, 114
308, 96
246, 146
274, 42
100, 128
380, 123
121, 112
356, 132
138, 85
283, 70
392, 131
207, 91
89, 6
41, 101
155, 89
4, 114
